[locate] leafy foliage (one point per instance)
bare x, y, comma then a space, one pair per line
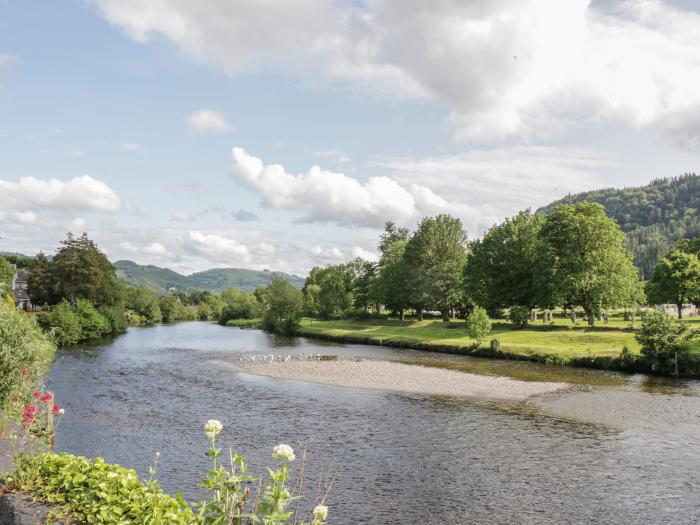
675, 280
519, 315
22, 343
665, 342
502, 267
478, 324
584, 261
97, 492
7, 272
436, 255
284, 305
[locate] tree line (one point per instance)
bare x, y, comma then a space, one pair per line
572, 257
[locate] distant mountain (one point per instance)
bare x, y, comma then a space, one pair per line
654, 217
160, 280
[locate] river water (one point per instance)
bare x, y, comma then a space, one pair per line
394, 458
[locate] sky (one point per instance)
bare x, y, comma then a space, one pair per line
282, 135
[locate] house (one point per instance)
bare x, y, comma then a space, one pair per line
19, 286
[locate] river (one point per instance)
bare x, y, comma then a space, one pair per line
394, 458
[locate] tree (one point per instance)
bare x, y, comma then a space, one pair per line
584, 261
664, 342
284, 307
7, 272
501, 269
80, 270
436, 255
676, 280
335, 296
143, 302
390, 287
42, 289
478, 324
361, 274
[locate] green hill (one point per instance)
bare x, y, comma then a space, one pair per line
653, 217
160, 280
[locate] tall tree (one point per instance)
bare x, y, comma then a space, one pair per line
676, 280
390, 286
585, 262
42, 289
335, 294
361, 274
501, 269
436, 255
80, 270
284, 307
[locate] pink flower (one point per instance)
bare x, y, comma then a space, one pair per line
56, 409
48, 396
37, 393
25, 371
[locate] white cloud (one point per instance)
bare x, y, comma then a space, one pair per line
77, 194
76, 153
130, 146
7, 60
207, 122
491, 184
503, 68
154, 248
217, 248
327, 196
181, 216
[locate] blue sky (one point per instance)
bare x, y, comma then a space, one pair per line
119, 118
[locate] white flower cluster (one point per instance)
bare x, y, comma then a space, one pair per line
320, 512
283, 452
213, 428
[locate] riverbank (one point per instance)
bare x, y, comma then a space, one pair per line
400, 377
599, 347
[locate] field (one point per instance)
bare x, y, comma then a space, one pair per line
559, 340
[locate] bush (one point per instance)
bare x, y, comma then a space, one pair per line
519, 316
116, 317
478, 324
62, 323
93, 325
665, 342
23, 349
495, 345
97, 492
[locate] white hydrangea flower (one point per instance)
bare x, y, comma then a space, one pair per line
320, 512
283, 452
62, 411
213, 428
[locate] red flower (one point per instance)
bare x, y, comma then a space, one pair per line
56, 409
25, 371
48, 396
37, 393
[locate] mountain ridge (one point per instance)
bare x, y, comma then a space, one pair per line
160, 280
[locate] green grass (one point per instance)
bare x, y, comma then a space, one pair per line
560, 341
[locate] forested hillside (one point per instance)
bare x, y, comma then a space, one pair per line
160, 280
653, 217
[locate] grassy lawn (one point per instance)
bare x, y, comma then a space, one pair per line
563, 340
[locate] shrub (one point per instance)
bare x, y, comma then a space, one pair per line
519, 316
665, 342
495, 345
478, 324
93, 325
62, 323
116, 317
23, 349
97, 492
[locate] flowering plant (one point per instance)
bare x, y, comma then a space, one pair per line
40, 413
235, 501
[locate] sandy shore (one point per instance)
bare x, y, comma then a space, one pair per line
384, 375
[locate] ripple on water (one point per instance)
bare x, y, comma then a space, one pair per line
396, 458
